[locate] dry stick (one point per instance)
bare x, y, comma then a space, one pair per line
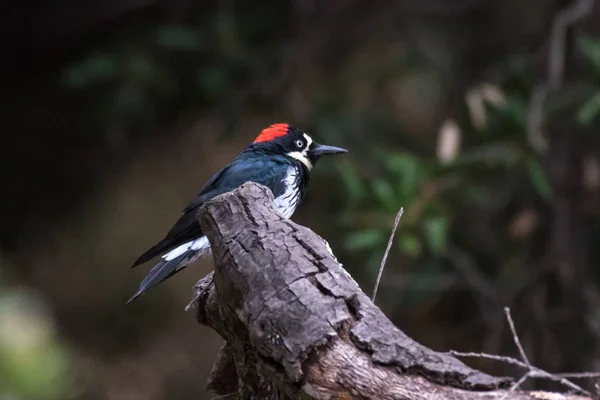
579, 375
517, 384
538, 373
387, 250
225, 396
191, 304
566, 17
511, 324
532, 372
504, 359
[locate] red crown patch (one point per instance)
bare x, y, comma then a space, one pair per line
272, 132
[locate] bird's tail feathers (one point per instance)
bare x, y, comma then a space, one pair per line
173, 262
157, 249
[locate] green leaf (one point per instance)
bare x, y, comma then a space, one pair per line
398, 162
516, 110
179, 38
353, 184
436, 230
214, 81
410, 244
384, 192
409, 172
98, 67
365, 239
591, 49
539, 179
589, 110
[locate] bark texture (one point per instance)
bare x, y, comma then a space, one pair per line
297, 326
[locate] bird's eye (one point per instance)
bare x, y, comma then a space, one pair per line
299, 143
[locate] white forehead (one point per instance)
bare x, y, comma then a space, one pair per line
308, 140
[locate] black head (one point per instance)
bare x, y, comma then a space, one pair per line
294, 143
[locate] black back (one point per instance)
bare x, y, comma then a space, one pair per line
264, 163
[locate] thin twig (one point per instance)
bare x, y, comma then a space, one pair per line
532, 372
519, 382
579, 375
225, 396
555, 68
558, 45
511, 324
504, 359
191, 303
538, 373
535, 118
387, 250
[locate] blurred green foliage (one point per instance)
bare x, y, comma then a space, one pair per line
160, 71
489, 221
590, 109
496, 169
34, 364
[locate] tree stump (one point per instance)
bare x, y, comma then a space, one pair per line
297, 326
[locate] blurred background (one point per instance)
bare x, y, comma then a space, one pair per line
479, 117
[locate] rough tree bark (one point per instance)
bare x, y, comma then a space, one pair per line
297, 326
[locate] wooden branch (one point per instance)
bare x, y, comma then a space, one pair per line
297, 326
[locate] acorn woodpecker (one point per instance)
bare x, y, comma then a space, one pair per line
280, 158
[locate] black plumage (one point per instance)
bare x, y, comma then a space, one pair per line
281, 163
268, 171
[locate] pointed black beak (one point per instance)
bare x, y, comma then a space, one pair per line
318, 150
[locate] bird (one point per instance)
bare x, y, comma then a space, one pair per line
281, 158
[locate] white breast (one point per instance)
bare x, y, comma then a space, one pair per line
287, 202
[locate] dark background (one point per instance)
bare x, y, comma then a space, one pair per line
115, 113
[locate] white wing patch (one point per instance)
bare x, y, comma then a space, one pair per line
287, 202
199, 245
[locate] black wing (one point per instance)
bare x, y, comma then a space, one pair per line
267, 171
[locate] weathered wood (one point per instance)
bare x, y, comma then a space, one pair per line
298, 326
